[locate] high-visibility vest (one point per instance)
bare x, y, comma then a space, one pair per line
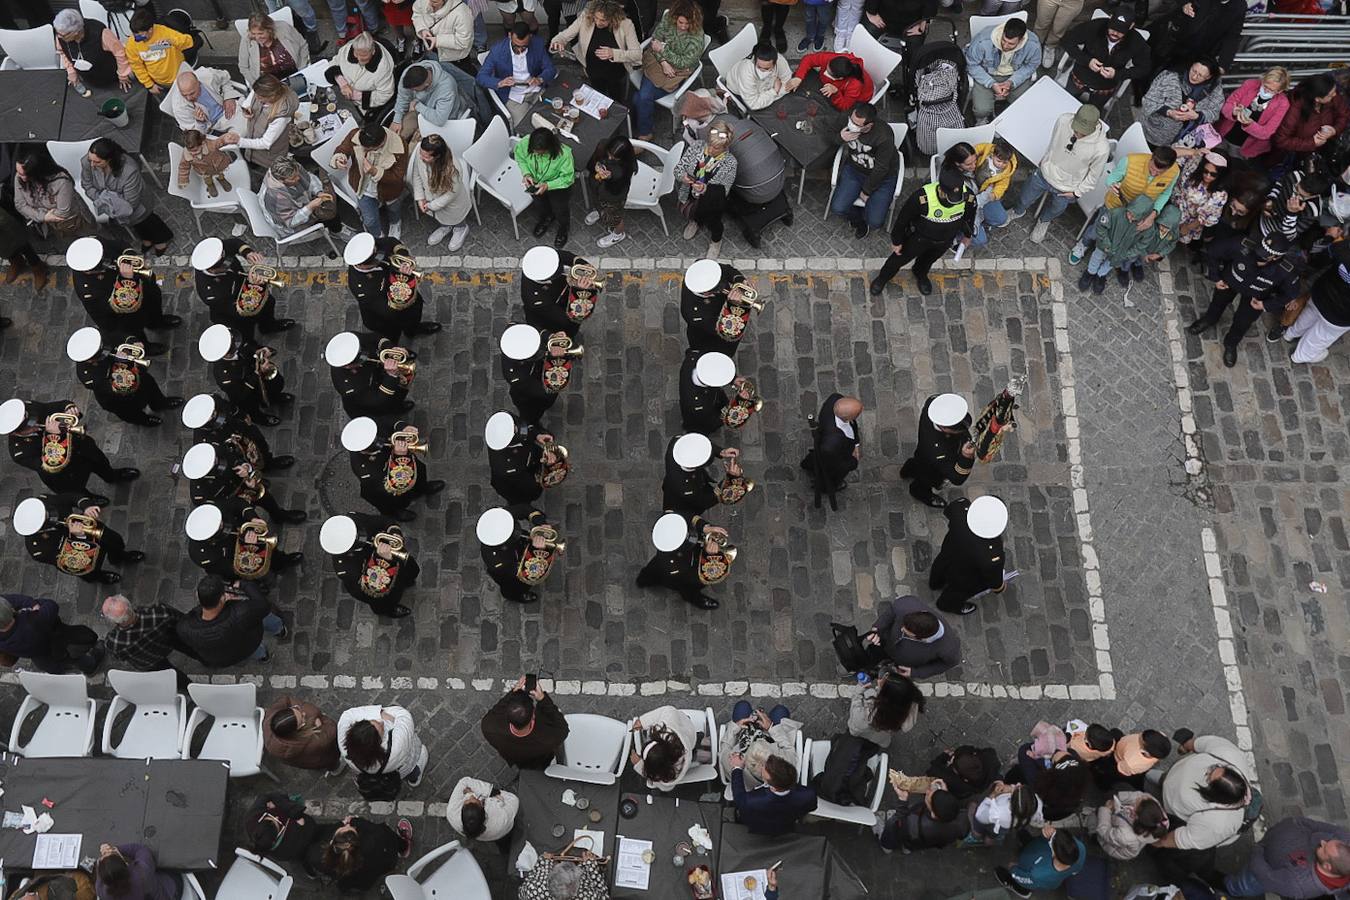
938, 211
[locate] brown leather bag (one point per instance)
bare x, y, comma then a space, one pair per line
651, 67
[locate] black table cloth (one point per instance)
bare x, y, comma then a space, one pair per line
541, 808
31, 104
665, 822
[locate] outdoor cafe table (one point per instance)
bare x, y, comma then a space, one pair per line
31, 105
81, 120
810, 867
174, 807
780, 119
665, 822
1028, 120
589, 131
541, 808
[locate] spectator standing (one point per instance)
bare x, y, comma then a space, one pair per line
114, 184
1294, 205
995, 164
92, 43
1252, 114
843, 79
155, 51
773, 16
1044, 864
965, 770
300, 735
670, 58
206, 101
271, 47
1118, 243
1089, 742
760, 78
1154, 175
1002, 64
906, 20
926, 821
1194, 29
141, 637
1317, 113
44, 194
376, 162
278, 828
440, 187
1181, 100
32, 629
228, 625
1261, 274
128, 872
1201, 193
548, 171
1327, 316
398, 16
446, 29
607, 46
1105, 53
1133, 755
517, 67
704, 177
480, 810
775, 806
1126, 823
356, 854
869, 170
914, 638
1053, 19
884, 708
294, 198
1208, 788
1072, 166
364, 74
819, 14
1004, 809
527, 729
612, 168
382, 739
1298, 858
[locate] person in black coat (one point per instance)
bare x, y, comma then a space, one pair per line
391, 474
63, 459
515, 556
913, 637
121, 385
278, 828
118, 298
377, 574
691, 555
838, 448
69, 546
247, 374
367, 384
704, 291
1196, 29
1105, 53
231, 477
688, 487
535, 374
904, 19
966, 770
216, 421
215, 552
928, 821
971, 559
944, 452
925, 226
776, 805
552, 299
523, 459
357, 854
233, 296
386, 291
1261, 274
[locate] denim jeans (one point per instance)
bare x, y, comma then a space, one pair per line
991, 214
369, 208
369, 12
271, 624
743, 710
850, 186
480, 35
303, 10
818, 16
1243, 883
644, 106
1032, 190
1098, 263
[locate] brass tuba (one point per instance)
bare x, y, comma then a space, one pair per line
742, 294
92, 527
69, 421
400, 259
392, 543
137, 263
552, 474
735, 312
253, 560
411, 438
714, 568
264, 274
133, 352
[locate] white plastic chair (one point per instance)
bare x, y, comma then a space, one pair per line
29, 48
650, 185
258, 223
817, 751
459, 877
495, 171
730, 53
457, 133
879, 61
946, 138
250, 878
195, 192
67, 727
705, 723
281, 15
980, 23
595, 751
92, 9
900, 130
236, 734
724, 735
1132, 141
322, 157
119, 22
671, 100
1066, 65
160, 712
314, 72
69, 155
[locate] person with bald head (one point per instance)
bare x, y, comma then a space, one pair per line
839, 448
142, 636
205, 100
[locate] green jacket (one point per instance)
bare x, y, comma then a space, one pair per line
557, 172
683, 48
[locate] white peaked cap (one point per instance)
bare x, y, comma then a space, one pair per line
948, 410
207, 253
987, 517
84, 344
198, 410
215, 342
669, 532
501, 427
359, 249
703, 275
199, 460
715, 369
539, 263
29, 516
342, 349
520, 342
692, 451
338, 534
12, 414
84, 254
495, 527
203, 522
359, 434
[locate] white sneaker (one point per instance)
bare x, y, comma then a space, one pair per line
592, 217
396, 230
1039, 232
457, 238
1014, 214
690, 230
611, 239
714, 250
439, 234
1048, 57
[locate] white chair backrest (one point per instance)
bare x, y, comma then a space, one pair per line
734, 50
949, 137
491, 151
458, 133
253, 211
1132, 141
322, 155
92, 9
195, 190
313, 73
979, 23
166, 105
669, 160
282, 15
901, 131
69, 155
145, 688
1094, 198
233, 701
593, 742
56, 690
31, 48
401, 887
879, 61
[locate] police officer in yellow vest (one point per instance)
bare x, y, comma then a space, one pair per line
933, 216
1154, 175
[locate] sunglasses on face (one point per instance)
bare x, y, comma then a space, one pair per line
1213, 173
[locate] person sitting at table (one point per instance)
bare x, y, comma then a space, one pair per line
775, 806
440, 187
73, 885
382, 739
612, 168
843, 80
45, 195
113, 181
271, 47
364, 74
155, 51
761, 78
527, 729
868, 170
207, 158
268, 117
548, 171
663, 746
445, 28
128, 872
428, 90
356, 854
704, 177
206, 101
1002, 63
293, 198
1105, 53
481, 811
300, 735
89, 41
517, 67
15, 248
278, 828
376, 162
607, 46
671, 57
566, 880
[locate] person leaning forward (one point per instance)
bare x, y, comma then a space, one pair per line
925, 226
527, 729
839, 449
916, 639
944, 451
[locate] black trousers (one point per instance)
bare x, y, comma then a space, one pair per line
774, 16
710, 208
923, 253
1243, 317
954, 593
152, 229
923, 478
653, 574
554, 204
114, 549
269, 504
25, 256
74, 478
133, 410
513, 590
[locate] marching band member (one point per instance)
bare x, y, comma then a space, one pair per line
371, 375
382, 275
222, 473
687, 486
704, 405
971, 559
50, 439
122, 297
78, 544
121, 380
715, 303
241, 548
691, 554
559, 290
213, 420
391, 475
518, 559
537, 368
375, 570
945, 451
237, 296
523, 458
246, 373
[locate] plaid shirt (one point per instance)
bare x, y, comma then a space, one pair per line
145, 644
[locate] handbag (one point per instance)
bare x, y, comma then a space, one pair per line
566, 854
380, 785
848, 646
651, 67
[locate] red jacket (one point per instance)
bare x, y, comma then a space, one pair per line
851, 90
1296, 131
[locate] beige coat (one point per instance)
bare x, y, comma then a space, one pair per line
380, 83
451, 26
450, 208
288, 37
390, 161
629, 51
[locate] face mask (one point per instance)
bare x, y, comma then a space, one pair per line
1265, 94
763, 74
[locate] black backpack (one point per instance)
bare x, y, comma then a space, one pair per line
846, 778
380, 785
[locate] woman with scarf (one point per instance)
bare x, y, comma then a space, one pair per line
1252, 114
1180, 101
674, 51
1201, 192
294, 199
364, 74
44, 194
114, 184
440, 187
268, 117
704, 177
1118, 242
271, 48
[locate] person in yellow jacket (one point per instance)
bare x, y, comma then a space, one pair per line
1151, 174
995, 164
155, 51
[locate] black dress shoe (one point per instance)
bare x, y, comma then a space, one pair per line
1200, 326
935, 501
1085, 280
290, 559
167, 322
925, 285
427, 328
780, 41
132, 556
108, 577
1229, 356
752, 238
876, 287
172, 402
398, 612
269, 419
1123, 277
126, 474
860, 229
152, 421
404, 515
99, 500
705, 602
278, 325
434, 487
541, 227
1274, 334
293, 516
281, 462
560, 239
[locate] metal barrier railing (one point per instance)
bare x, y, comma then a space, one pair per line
1302, 44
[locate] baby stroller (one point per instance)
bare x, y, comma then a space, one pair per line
936, 87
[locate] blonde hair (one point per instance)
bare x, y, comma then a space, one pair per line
262, 22
610, 9
1280, 73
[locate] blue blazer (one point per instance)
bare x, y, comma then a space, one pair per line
497, 64
764, 812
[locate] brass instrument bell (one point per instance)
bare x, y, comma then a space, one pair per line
132, 351
403, 358
567, 345
742, 294
549, 535
411, 438
92, 527
392, 543
69, 421
265, 274
137, 263
580, 271
259, 530
399, 260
